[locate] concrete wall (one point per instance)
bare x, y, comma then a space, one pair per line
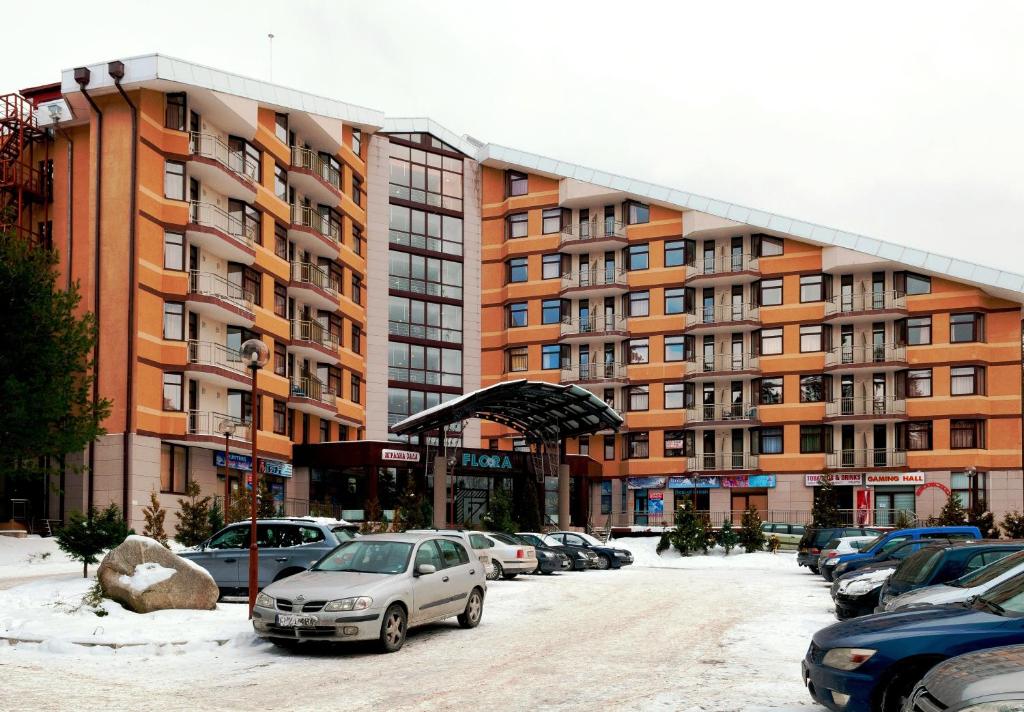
377, 290
471, 287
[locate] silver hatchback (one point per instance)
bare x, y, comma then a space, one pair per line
374, 588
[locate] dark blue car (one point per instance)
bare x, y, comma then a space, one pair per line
872, 664
879, 549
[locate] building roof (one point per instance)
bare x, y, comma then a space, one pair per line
542, 411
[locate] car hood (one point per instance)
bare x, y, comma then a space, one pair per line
932, 622
932, 595
868, 570
329, 585
997, 673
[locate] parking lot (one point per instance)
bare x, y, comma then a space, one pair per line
722, 634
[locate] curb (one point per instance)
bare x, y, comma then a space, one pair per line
12, 641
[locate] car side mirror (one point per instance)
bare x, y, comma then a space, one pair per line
969, 601
424, 569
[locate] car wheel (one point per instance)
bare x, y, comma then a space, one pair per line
496, 571
470, 617
547, 573
899, 688
392, 629
603, 562
827, 575
814, 569
509, 577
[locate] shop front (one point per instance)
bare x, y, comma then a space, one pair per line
275, 473
654, 500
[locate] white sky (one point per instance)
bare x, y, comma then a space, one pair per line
901, 121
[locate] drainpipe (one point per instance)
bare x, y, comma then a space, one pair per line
116, 71
82, 77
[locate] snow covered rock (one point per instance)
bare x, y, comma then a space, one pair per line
144, 576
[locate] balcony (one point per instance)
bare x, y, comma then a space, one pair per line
722, 462
314, 232
228, 172
722, 414
595, 282
425, 331
422, 286
220, 299
723, 269
866, 408
865, 307
593, 236
216, 230
595, 374
866, 459
608, 327
312, 340
216, 363
314, 285
724, 317
309, 394
315, 177
877, 357
206, 428
722, 366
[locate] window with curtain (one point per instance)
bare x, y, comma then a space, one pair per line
966, 434
815, 438
966, 380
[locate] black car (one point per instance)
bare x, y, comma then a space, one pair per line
580, 558
814, 540
608, 557
941, 565
549, 559
857, 593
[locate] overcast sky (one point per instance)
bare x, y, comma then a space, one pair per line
902, 121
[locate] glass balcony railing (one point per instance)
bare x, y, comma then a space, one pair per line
866, 355
865, 302
866, 458
866, 406
722, 461
721, 411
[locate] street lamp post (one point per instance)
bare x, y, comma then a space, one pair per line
228, 428
255, 355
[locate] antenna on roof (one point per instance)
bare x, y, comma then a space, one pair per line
270, 39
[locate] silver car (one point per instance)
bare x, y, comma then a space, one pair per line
989, 680
963, 589
374, 588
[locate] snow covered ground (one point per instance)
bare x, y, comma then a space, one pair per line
704, 633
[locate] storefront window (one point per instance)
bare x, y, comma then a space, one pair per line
969, 488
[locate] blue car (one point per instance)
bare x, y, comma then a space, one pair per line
879, 549
872, 664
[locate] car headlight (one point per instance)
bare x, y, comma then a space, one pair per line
847, 658
1001, 706
841, 569
264, 601
544, 554
580, 555
830, 562
358, 603
621, 554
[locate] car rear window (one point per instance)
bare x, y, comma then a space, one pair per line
342, 534
833, 544
504, 538
918, 567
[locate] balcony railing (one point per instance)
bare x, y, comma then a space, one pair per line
309, 217
594, 277
312, 388
723, 314
210, 216
597, 324
213, 285
423, 286
314, 332
306, 273
595, 229
594, 372
865, 302
722, 461
214, 148
873, 353
424, 331
866, 406
724, 265
309, 160
208, 423
722, 363
208, 353
866, 458
722, 411
421, 375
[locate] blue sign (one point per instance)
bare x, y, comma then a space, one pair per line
693, 482
765, 481
486, 462
238, 460
276, 468
645, 482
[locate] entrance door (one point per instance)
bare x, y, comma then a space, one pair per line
846, 293
708, 306
640, 507
584, 361
742, 499
846, 343
889, 502
709, 257
609, 268
737, 254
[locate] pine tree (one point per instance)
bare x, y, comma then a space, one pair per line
215, 516
979, 516
952, 513
413, 511
240, 508
825, 512
1013, 525
373, 521
689, 534
266, 507
727, 538
85, 538
751, 536
154, 515
193, 525
499, 512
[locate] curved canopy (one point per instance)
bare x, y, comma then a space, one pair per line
544, 411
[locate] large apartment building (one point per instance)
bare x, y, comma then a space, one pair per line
390, 265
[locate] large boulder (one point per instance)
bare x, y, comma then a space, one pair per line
143, 576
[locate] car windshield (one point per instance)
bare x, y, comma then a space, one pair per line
918, 567
551, 541
1006, 599
990, 572
368, 557
868, 546
504, 538
589, 539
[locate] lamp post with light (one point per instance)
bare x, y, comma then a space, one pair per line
255, 355
228, 428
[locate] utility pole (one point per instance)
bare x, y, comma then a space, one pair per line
270, 39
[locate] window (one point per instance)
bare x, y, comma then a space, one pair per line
917, 283
771, 342
357, 142
967, 380
966, 327
428, 231
812, 288
516, 359
357, 339
679, 443
247, 218
637, 213
553, 311
424, 320
516, 269
919, 330
551, 266
675, 253
280, 182
425, 177
280, 241
674, 348
174, 321
815, 438
609, 447
174, 251
771, 292
584, 445
675, 300
637, 257
969, 488
516, 314
966, 434
637, 445
173, 468
325, 430
553, 220
919, 383
765, 246
517, 225
638, 351
639, 397
174, 115
357, 190
280, 358
174, 180
814, 388
674, 396
770, 391
810, 338
554, 356
357, 240
771, 441
281, 127
280, 300
357, 289
425, 275
516, 183
639, 303
280, 417
173, 391
355, 388
252, 283
916, 435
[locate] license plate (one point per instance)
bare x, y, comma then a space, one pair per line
297, 621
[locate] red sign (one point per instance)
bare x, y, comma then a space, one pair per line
656, 494
936, 485
863, 506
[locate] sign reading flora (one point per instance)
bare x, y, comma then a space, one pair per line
894, 478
